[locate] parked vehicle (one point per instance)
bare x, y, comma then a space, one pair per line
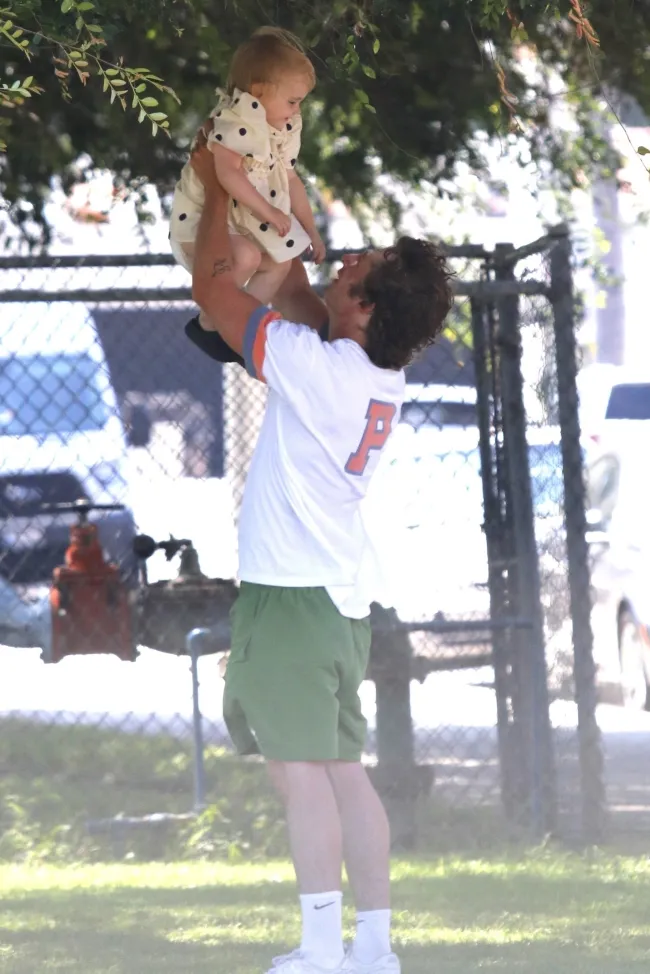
619, 537
61, 438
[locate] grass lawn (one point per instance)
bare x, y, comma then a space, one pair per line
546, 912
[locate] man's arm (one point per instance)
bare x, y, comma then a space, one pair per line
213, 284
296, 299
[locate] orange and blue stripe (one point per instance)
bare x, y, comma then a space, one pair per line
255, 340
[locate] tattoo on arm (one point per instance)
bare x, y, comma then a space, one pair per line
221, 266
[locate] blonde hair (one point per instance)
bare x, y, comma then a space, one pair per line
267, 54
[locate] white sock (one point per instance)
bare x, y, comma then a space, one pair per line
372, 940
322, 929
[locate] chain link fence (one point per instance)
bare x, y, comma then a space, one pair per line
481, 695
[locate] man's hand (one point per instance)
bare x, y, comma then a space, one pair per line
202, 162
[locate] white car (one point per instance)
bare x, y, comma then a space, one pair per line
61, 438
619, 539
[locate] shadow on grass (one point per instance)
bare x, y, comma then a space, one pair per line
138, 952
447, 922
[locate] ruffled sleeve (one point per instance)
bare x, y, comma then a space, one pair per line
236, 126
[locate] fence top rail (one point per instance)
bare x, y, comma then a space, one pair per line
480, 290
508, 257
47, 261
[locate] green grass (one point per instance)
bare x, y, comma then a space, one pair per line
550, 913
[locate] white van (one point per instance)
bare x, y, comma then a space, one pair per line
61, 438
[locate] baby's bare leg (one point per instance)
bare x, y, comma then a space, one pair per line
270, 275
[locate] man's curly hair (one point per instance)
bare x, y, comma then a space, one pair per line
411, 294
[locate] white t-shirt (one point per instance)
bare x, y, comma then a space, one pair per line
329, 414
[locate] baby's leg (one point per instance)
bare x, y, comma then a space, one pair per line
246, 258
270, 275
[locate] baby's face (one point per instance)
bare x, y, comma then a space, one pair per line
282, 100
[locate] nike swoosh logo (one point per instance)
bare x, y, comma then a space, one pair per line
324, 905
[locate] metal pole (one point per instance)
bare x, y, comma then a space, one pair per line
589, 737
192, 642
494, 537
531, 654
396, 775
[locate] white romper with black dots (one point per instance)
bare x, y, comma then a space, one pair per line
239, 123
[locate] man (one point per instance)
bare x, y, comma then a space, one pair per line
300, 627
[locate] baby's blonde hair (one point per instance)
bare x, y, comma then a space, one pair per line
265, 56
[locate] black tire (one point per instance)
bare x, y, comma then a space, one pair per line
634, 681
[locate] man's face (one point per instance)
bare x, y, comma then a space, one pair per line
339, 296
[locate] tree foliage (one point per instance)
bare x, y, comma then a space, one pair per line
404, 85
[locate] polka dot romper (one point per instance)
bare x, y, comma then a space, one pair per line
239, 123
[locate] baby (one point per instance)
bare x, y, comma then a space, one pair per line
255, 140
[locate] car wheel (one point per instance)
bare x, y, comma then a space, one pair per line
636, 693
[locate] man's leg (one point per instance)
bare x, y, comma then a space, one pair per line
366, 844
366, 835
316, 849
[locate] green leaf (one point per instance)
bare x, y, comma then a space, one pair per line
118, 81
94, 28
66, 6
75, 54
79, 22
368, 71
158, 116
111, 72
361, 96
28, 82
86, 5
141, 88
643, 151
142, 115
154, 129
150, 102
375, 46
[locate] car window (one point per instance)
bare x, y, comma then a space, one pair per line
603, 477
630, 400
41, 395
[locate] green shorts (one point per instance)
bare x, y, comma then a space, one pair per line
292, 682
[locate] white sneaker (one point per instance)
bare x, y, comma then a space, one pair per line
389, 964
283, 958
295, 963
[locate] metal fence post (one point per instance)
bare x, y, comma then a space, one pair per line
494, 538
530, 661
589, 738
193, 647
396, 776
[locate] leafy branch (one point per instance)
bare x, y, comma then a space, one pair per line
11, 96
81, 57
